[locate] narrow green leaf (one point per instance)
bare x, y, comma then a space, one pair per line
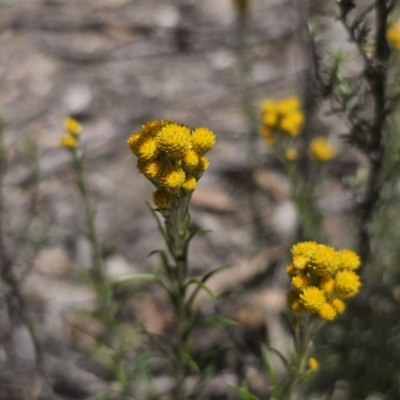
193, 234
136, 278
164, 259
201, 285
203, 280
160, 225
268, 364
280, 355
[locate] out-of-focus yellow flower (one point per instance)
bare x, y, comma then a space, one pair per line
321, 150
72, 126
283, 116
162, 198
292, 154
313, 364
292, 123
393, 36
321, 279
68, 142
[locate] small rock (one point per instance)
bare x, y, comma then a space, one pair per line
53, 261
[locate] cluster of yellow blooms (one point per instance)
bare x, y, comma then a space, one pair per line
70, 139
322, 278
321, 150
171, 156
284, 116
393, 36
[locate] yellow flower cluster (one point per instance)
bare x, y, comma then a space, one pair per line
393, 36
322, 279
172, 157
284, 116
70, 139
321, 150
313, 364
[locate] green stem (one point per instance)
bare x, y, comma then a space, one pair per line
98, 270
177, 225
302, 345
250, 112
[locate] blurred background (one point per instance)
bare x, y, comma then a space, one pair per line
113, 65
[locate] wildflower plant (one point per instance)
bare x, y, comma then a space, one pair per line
115, 341
322, 280
281, 124
173, 157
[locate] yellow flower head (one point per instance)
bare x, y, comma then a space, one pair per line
190, 159
300, 281
68, 142
393, 36
300, 262
174, 140
190, 184
162, 198
321, 150
327, 312
323, 260
292, 123
270, 114
290, 269
347, 283
134, 142
312, 298
172, 178
288, 105
304, 249
151, 169
347, 259
313, 364
327, 285
147, 149
203, 140
151, 128
338, 305
170, 156
293, 301
72, 126
202, 165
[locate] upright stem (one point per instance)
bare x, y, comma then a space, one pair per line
302, 349
177, 229
249, 110
98, 269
